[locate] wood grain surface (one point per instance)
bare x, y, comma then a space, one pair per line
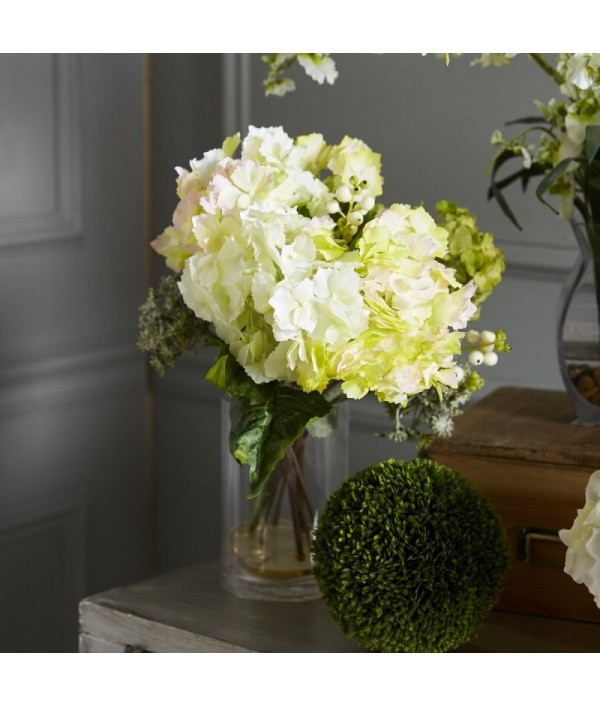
189, 611
529, 424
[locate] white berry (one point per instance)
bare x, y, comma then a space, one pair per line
343, 194
476, 357
367, 203
333, 207
490, 358
355, 218
473, 336
488, 337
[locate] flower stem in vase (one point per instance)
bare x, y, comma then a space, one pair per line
582, 324
275, 542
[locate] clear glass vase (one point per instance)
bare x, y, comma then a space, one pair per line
266, 540
579, 328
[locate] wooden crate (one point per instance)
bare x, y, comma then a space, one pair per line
523, 449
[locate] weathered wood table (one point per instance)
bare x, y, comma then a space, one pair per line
188, 611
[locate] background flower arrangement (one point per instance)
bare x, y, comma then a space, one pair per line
560, 143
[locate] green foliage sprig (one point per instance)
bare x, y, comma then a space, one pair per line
431, 414
168, 328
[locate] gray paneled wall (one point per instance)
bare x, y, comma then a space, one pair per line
187, 119
72, 468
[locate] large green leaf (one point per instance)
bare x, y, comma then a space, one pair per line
592, 142
265, 419
261, 431
228, 375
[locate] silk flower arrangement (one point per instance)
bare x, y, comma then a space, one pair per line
312, 291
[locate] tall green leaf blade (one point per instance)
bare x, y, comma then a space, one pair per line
495, 189
531, 120
592, 142
501, 159
502, 202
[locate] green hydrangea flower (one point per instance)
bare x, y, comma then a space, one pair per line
471, 252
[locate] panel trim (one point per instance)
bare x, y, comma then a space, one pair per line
64, 378
525, 259
236, 107
69, 515
64, 221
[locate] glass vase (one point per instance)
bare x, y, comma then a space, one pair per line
579, 328
266, 540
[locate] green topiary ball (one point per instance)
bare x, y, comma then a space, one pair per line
409, 557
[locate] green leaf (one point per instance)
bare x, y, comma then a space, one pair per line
552, 177
523, 174
495, 191
230, 144
532, 120
502, 158
265, 418
262, 430
592, 142
502, 202
228, 375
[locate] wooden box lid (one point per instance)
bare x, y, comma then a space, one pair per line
528, 424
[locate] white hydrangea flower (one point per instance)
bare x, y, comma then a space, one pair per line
237, 185
307, 152
267, 145
215, 286
583, 541
356, 167
578, 72
205, 168
320, 67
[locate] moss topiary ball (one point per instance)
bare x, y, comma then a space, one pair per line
409, 557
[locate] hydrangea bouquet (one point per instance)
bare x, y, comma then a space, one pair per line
313, 292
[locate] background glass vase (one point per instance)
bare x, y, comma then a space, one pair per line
579, 327
266, 540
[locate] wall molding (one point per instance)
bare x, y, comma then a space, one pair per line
236, 101
535, 259
66, 377
67, 517
64, 220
